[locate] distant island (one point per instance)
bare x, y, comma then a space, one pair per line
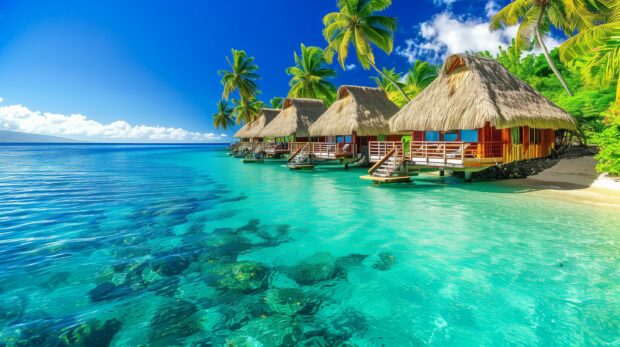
18, 137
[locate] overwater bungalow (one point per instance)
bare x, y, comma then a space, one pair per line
475, 115
250, 138
290, 129
359, 115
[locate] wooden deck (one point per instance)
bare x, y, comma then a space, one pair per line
298, 167
391, 179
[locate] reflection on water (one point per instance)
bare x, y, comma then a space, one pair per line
181, 245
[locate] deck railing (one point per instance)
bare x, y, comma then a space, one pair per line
379, 149
442, 152
325, 150
275, 147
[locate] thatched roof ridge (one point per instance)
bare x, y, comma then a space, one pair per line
364, 110
471, 91
295, 119
253, 129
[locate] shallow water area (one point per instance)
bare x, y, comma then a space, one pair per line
128, 245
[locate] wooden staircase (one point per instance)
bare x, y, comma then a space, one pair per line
300, 159
383, 170
388, 164
301, 155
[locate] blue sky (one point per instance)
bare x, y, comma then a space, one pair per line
147, 70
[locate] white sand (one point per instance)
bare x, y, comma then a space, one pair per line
575, 180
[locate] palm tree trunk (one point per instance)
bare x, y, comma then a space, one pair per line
391, 81
546, 51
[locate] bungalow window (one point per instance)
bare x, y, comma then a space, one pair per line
450, 136
535, 136
347, 139
516, 136
469, 135
432, 136
339, 139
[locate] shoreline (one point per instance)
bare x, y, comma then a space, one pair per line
573, 180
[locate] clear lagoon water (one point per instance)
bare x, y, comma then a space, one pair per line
183, 245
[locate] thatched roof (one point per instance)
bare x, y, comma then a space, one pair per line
295, 118
471, 91
361, 109
253, 129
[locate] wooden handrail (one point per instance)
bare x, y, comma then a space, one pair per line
297, 152
380, 162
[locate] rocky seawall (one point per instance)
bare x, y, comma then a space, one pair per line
525, 168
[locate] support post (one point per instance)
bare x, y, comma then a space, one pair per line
442, 172
346, 166
468, 175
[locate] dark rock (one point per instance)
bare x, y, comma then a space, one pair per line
314, 269
108, 291
171, 265
173, 320
348, 323
243, 276
385, 261
165, 286
290, 301
92, 333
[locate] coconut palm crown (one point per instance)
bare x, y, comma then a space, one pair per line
310, 75
241, 77
536, 17
223, 118
356, 23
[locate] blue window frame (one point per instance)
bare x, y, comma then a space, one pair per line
450, 136
469, 135
347, 139
432, 136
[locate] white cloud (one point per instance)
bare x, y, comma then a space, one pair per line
20, 118
447, 33
444, 2
350, 67
1, 99
491, 8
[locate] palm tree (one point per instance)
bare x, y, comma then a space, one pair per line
536, 18
276, 102
386, 83
310, 75
242, 75
223, 118
357, 23
599, 46
419, 76
246, 110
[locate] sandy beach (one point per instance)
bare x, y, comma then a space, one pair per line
574, 179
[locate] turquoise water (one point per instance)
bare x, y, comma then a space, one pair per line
182, 245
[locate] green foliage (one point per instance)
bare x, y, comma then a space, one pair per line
599, 47
356, 23
276, 102
246, 110
418, 77
609, 143
223, 118
241, 77
310, 76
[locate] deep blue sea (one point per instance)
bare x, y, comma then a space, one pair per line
143, 245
